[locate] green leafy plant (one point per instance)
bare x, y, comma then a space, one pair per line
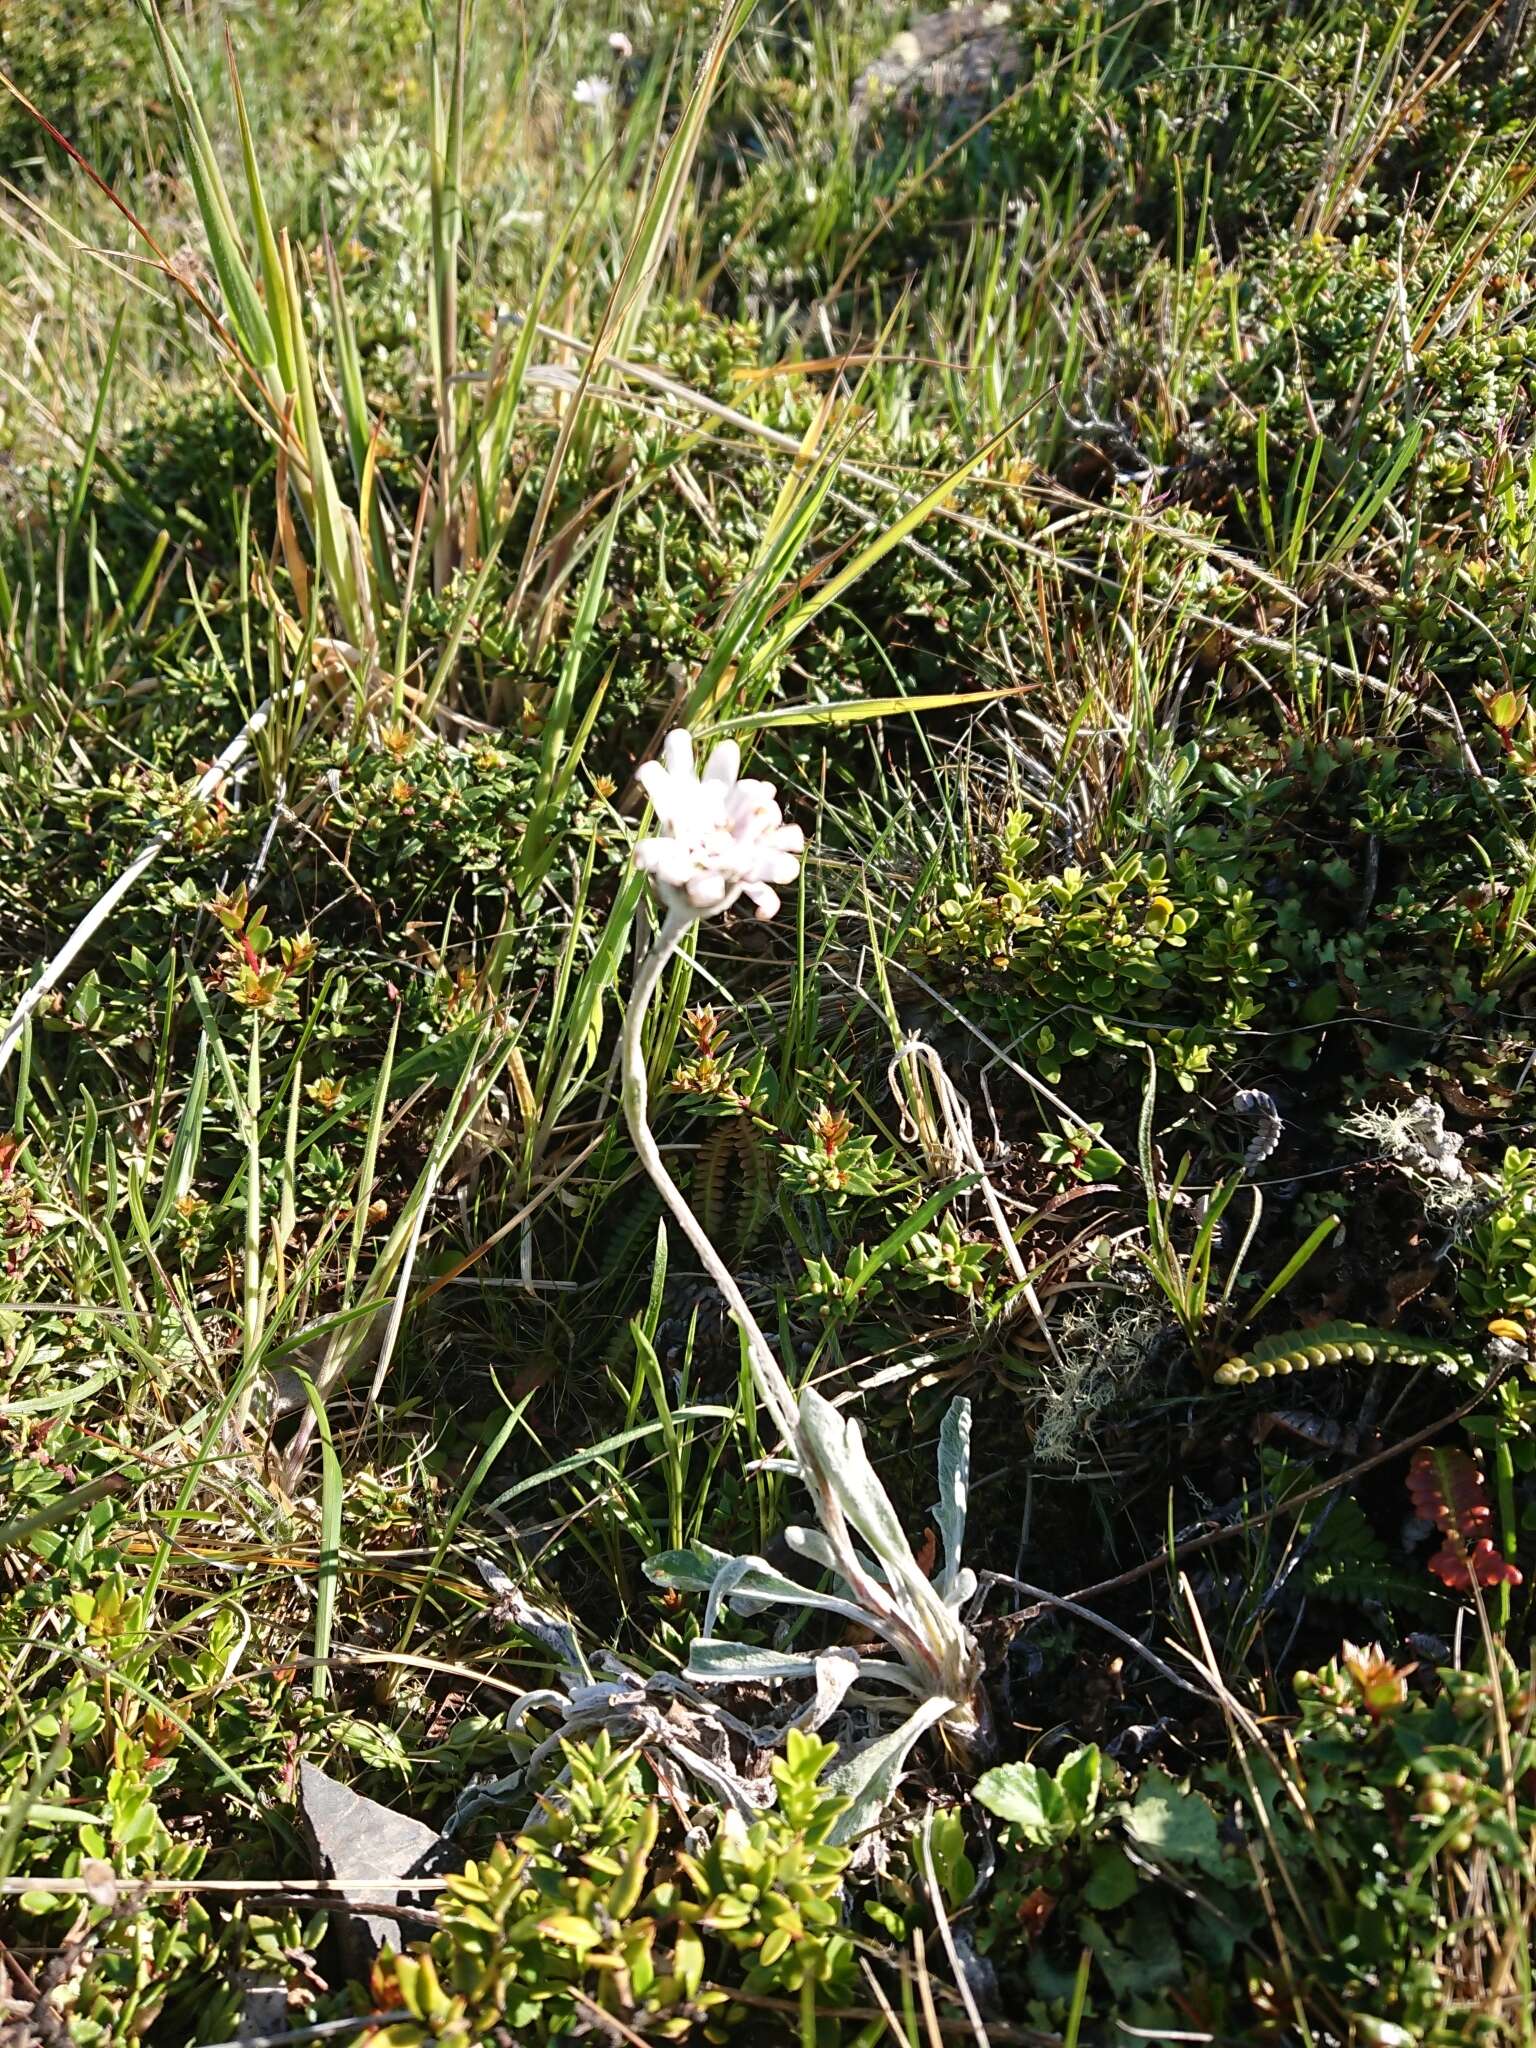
770, 1889
1047, 1808
839, 1162
582, 1915
1336, 1344
945, 1258
1498, 1261
540, 1935
1438, 1774
1108, 954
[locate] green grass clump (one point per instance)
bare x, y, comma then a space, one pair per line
83, 67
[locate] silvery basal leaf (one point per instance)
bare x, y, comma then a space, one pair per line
954, 1490
870, 1776
698, 1570
839, 1450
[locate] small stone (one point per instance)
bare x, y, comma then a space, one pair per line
949, 64
365, 1848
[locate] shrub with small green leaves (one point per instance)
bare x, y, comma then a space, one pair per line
943, 1258
572, 1921
83, 64
1420, 1797
1136, 949
1498, 1263
839, 1162
537, 1936
769, 1889
129, 1962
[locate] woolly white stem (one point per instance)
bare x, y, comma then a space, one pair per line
767, 1373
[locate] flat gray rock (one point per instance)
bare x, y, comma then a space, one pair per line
371, 1853
949, 64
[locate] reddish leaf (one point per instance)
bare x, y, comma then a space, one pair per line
1034, 1911
1457, 1568
1447, 1488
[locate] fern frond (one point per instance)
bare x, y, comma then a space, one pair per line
634, 1232
730, 1182
1335, 1344
711, 1177
756, 1182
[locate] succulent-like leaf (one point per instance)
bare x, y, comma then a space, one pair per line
1335, 1344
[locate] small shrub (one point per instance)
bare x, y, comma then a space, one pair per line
581, 1916
1137, 948
1498, 1265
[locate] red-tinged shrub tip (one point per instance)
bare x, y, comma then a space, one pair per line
1458, 1568
1446, 1488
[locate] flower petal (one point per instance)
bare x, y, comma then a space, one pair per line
658, 786
724, 763
750, 799
707, 888
677, 753
680, 866
668, 860
778, 867
760, 894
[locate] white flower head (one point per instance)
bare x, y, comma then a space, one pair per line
620, 44
721, 837
592, 92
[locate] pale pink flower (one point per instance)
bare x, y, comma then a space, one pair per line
620, 44
721, 837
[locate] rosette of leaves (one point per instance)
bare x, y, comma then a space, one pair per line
837, 1163
931, 1675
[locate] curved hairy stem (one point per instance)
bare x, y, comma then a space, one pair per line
767, 1373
